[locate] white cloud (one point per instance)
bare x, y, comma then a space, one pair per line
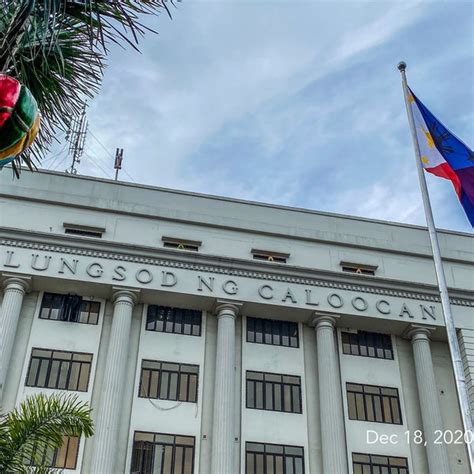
253, 83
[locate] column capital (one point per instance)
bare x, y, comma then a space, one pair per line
125, 295
16, 282
227, 308
320, 320
417, 332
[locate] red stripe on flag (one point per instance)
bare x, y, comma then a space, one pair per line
445, 171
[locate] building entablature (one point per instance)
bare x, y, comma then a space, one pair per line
161, 275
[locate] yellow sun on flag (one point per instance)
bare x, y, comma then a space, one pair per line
425, 160
429, 138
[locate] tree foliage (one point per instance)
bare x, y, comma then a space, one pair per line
38, 425
58, 49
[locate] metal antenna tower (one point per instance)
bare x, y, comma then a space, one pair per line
118, 161
77, 137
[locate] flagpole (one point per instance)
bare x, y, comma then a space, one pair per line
456, 359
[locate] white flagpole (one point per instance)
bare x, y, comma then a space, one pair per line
456, 359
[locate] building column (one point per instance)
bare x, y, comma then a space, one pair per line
333, 438
109, 412
223, 431
15, 289
428, 396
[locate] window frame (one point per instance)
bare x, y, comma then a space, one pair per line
55, 453
268, 453
154, 443
269, 256
80, 230
193, 313
371, 395
386, 344
51, 360
358, 268
159, 381
181, 244
265, 383
63, 296
284, 330
371, 464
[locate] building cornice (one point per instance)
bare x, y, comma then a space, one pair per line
422, 252
232, 267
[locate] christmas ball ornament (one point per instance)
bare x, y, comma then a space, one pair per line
19, 119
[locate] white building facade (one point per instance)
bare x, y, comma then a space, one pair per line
212, 335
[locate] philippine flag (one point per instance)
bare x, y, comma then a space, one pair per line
444, 155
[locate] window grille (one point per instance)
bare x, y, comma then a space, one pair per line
373, 403
83, 230
274, 332
162, 453
70, 308
59, 369
359, 268
267, 458
367, 344
174, 320
181, 244
64, 457
375, 464
169, 381
270, 256
275, 392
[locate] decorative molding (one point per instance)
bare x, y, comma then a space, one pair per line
225, 270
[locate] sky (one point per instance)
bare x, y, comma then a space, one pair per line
297, 103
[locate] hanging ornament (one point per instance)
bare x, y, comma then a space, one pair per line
19, 119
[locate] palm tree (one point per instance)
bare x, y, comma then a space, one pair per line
58, 49
38, 426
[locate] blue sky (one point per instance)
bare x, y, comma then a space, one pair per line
289, 102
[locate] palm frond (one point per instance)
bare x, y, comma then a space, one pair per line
38, 425
61, 71
57, 48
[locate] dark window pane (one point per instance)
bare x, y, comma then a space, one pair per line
269, 396
275, 332
74, 375
275, 392
274, 459
346, 346
163, 454
70, 308
174, 320
169, 381
54, 369
250, 394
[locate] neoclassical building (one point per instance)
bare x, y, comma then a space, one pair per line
218, 336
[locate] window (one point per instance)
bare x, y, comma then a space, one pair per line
59, 369
373, 403
375, 464
64, 457
83, 230
273, 459
269, 256
274, 392
70, 308
162, 453
169, 381
174, 320
358, 268
269, 331
181, 244
367, 344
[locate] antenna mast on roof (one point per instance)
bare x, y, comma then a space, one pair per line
77, 137
118, 161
